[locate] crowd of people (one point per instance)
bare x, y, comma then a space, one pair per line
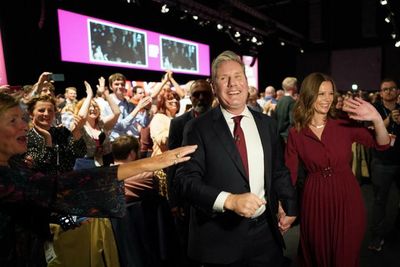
210, 173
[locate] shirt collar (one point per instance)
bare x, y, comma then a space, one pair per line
228, 116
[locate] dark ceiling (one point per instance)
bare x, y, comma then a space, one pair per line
29, 29
328, 24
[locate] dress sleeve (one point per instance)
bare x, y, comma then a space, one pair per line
366, 137
19, 186
91, 192
291, 156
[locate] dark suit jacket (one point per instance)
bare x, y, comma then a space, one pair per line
283, 115
216, 166
175, 138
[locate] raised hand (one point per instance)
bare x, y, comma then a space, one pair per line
144, 102
44, 133
359, 109
101, 87
89, 90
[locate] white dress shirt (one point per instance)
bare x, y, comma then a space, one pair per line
255, 156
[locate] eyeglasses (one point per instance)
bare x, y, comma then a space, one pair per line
388, 89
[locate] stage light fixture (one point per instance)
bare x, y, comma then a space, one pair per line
219, 26
383, 2
387, 19
397, 44
164, 8
195, 17
237, 34
254, 39
393, 35
282, 43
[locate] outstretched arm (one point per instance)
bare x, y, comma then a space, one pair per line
359, 109
166, 159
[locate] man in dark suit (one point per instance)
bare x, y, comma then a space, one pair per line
241, 203
201, 97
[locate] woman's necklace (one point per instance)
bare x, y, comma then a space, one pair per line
318, 126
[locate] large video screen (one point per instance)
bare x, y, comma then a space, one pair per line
3, 74
90, 40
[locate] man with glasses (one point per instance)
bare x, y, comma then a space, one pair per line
385, 165
201, 97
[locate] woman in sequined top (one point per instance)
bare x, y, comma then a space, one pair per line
24, 193
52, 149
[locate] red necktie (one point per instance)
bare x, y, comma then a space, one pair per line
240, 142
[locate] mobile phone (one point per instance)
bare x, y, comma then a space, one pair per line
57, 77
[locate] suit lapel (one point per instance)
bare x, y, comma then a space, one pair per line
225, 137
266, 144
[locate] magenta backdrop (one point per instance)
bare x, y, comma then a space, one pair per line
3, 73
75, 47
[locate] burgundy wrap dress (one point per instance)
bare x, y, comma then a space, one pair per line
332, 210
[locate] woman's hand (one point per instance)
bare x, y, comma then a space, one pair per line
44, 133
89, 91
175, 156
359, 109
101, 87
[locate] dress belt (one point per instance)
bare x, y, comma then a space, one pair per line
328, 171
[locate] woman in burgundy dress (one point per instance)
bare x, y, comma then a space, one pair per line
333, 216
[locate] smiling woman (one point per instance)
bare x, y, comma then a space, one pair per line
27, 197
167, 107
332, 207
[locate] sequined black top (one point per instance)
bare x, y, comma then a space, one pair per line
60, 157
27, 197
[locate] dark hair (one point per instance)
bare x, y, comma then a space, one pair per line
134, 89
123, 145
116, 77
387, 80
200, 83
303, 110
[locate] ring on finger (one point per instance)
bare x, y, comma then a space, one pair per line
177, 155
175, 162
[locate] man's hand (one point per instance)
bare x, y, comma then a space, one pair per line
245, 204
284, 222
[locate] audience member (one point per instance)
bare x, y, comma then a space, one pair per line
252, 100
284, 107
130, 118
201, 97
385, 165
96, 130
